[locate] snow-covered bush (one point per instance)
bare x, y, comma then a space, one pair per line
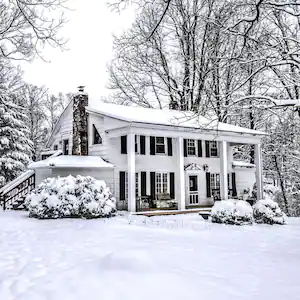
267, 211
71, 196
234, 212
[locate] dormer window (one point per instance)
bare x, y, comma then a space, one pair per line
97, 139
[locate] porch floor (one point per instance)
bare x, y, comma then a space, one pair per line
205, 209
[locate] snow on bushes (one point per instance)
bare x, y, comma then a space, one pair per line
71, 196
267, 211
234, 212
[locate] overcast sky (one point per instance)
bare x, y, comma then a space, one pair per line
89, 31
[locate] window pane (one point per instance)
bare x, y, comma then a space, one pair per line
214, 148
191, 147
160, 140
165, 182
160, 148
158, 183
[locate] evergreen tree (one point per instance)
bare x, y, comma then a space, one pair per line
15, 147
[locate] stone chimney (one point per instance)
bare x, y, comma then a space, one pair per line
80, 123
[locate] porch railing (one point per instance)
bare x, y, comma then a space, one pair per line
14, 195
146, 203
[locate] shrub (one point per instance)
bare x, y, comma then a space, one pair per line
267, 211
71, 196
234, 212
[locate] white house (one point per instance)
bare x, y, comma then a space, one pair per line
151, 158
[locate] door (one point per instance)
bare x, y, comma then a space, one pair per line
193, 190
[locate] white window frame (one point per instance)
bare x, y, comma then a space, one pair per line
165, 145
214, 183
190, 146
162, 182
212, 146
137, 185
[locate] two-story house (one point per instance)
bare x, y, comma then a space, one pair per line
151, 158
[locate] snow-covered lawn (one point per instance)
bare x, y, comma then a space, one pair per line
173, 257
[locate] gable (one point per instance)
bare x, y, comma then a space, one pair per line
64, 124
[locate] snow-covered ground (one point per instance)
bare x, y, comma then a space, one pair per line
133, 257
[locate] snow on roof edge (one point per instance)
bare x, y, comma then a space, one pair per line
125, 119
242, 164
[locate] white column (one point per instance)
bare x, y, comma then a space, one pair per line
179, 176
258, 164
131, 172
223, 170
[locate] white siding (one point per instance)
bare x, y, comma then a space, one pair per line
64, 130
245, 178
41, 174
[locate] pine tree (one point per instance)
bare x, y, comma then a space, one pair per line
15, 147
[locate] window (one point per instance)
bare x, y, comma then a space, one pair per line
161, 183
215, 184
136, 185
96, 136
66, 147
160, 146
191, 147
55, 147
136, 143
213, 146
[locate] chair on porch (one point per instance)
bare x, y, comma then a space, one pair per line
216, 194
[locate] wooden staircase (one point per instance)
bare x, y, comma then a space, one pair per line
13, 195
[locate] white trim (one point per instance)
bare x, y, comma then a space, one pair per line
182, 132
131, 172
258, 171
180, 175
223, 170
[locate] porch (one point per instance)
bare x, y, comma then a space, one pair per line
148, 164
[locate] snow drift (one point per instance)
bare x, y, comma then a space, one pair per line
267, 211
71, 196
234, 212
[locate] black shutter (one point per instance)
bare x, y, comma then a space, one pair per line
152, 185
142, 144
234, 193
122, 185
169, 146
185, 148
152, 145
208, 193
199, 148
207, 154
172, 185
143, 183
124, 144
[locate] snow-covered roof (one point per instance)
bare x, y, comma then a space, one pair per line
50, 152
286, 102
164, 117
242, 164
71, 161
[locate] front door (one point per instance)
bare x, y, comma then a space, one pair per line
193, 190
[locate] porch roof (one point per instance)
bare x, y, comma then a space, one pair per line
71, 161
166, 117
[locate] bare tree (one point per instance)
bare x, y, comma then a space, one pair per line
27, 25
